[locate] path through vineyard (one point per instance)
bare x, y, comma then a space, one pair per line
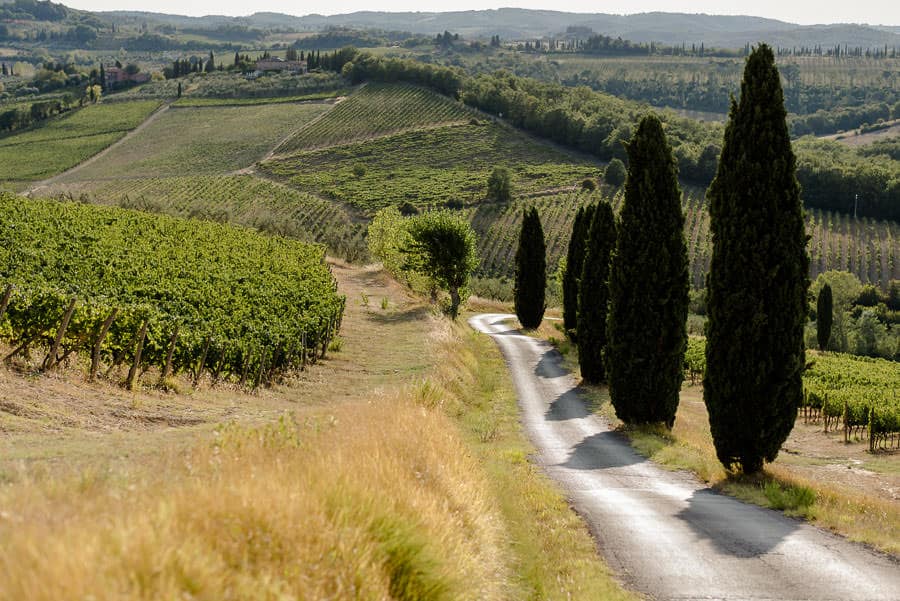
665, 533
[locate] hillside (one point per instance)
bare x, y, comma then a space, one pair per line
515, 23
388, 144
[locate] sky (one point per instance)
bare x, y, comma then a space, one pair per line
805, 12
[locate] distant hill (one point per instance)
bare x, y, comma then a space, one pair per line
513, 23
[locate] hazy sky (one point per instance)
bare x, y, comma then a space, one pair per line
884, 12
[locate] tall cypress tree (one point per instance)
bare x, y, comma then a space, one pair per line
648, 285
574, 263
758, 279
824, 316
531, 271
593, 294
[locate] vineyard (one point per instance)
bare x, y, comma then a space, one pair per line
196, 141
64, 142
868, 248
238, 199
858, 394
123, 289
430, 167
378, 110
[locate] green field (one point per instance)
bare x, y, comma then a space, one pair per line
429, 167
64, 142
378, 109
241, 199
198, 141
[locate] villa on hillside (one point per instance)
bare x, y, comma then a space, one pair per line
116, 76
279, 64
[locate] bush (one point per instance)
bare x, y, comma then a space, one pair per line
615, 173
499, 187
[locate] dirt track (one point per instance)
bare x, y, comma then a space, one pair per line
665, 533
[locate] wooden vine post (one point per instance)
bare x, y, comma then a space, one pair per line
98, 343
202, 363
167, 368
51, 359
133, 370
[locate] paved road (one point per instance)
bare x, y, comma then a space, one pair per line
666, 534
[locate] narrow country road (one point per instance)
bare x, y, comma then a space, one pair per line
663, 532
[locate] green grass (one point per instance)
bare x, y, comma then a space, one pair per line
429, 167
64, 142
197, 141
379, 109
240, 199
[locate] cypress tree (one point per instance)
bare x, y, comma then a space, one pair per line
593, 294
824, 316
758, 277
574, 263
531, 271
648, 285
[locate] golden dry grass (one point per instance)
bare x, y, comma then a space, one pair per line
372, 500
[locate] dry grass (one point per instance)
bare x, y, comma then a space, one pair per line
370, 501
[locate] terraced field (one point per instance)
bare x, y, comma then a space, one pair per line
376, 110
64, 142
199, 141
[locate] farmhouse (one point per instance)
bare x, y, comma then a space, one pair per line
279, 64
116, 76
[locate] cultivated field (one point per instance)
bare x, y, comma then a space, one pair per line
378, 110
430, 167
201, 141
65, 141
242, 199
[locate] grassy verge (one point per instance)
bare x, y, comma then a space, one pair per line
553, 554
853, 513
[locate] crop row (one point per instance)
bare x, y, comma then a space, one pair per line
127, 288
238, 199
377, 110
868, 248
858, 393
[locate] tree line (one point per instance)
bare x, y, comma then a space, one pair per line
628, 294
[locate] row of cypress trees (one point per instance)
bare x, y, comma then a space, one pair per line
625, 294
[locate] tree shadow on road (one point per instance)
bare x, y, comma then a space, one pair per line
550, 365
734, 527
604, 450
568, 405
